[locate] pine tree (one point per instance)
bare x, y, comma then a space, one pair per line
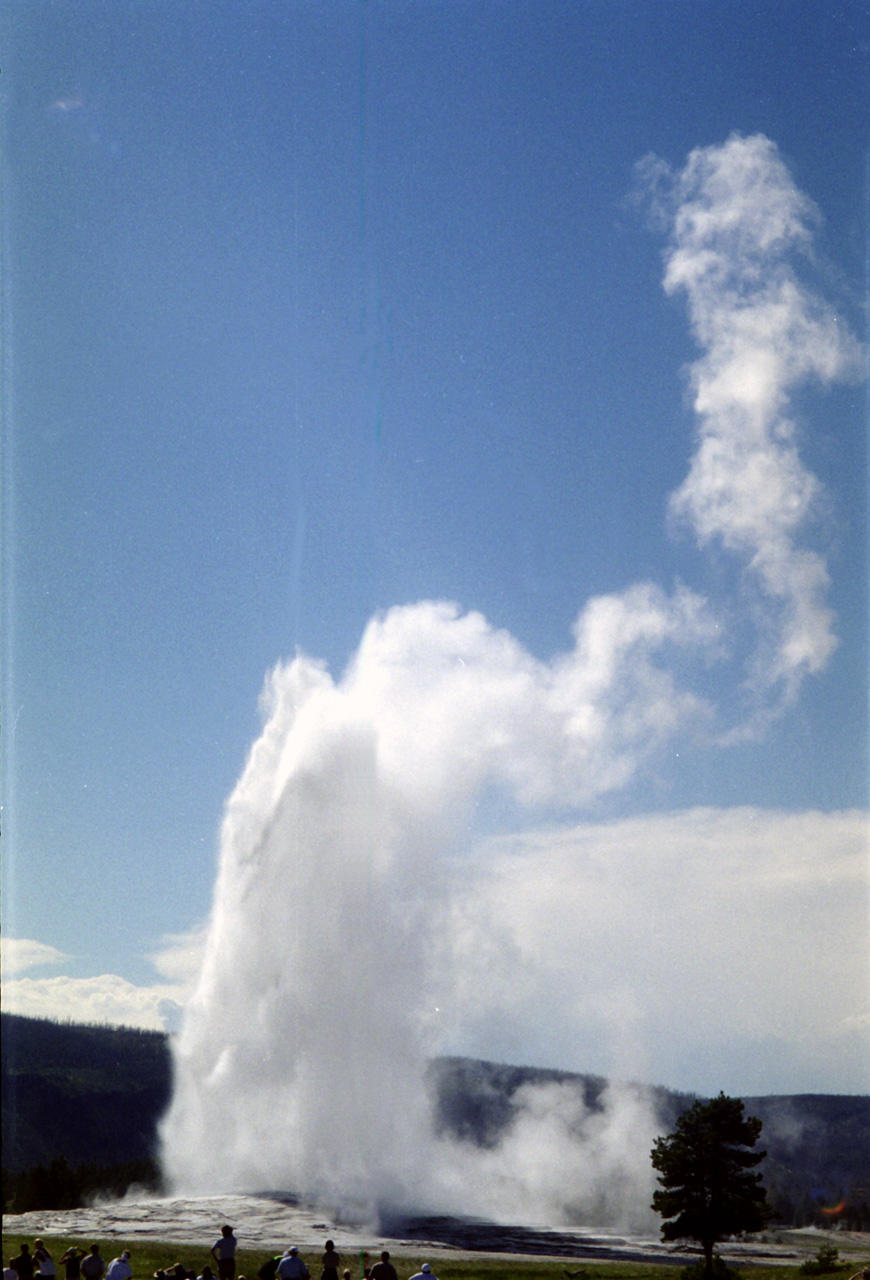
708, 1190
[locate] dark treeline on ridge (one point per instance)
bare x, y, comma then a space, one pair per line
60, 1185
81, 1106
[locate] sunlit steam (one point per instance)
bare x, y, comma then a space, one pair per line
736, 222
301, 1059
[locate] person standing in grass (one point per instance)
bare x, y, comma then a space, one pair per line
43, 1260
92, 1267
72, 1260
23, 1264
330, 1262
224, 1253
9, 1273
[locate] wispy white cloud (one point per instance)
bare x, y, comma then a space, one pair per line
737, 223
179, 956
18, 954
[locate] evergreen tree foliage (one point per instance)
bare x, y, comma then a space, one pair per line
59, 1185
709, 1191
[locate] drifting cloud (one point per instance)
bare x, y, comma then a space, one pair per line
18, 954
737, 222
179, 956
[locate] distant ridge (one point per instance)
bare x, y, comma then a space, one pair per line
87, 1093
96, 1093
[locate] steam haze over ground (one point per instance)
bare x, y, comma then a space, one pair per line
503, 366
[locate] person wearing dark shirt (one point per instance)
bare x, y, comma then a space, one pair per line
384, 1270
72, 1260
23, 1264
330, 1262
92, 1266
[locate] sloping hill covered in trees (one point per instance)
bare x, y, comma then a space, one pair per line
91, 1098
87, 1093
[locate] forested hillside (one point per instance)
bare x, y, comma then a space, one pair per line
81, 1106
85, 1093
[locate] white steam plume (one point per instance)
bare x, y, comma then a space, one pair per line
737, 221
300, 1060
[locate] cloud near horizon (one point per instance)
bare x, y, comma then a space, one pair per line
105, 998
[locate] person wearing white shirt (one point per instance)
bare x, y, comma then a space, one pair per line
119, 1268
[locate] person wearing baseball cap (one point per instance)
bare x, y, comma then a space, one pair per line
425, 1273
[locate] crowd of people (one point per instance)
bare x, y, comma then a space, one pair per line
81, 1264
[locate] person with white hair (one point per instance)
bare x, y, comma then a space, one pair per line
119, 1268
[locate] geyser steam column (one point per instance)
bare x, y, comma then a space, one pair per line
299, 1064
297, 1067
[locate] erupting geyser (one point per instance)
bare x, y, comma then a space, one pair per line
300, 1063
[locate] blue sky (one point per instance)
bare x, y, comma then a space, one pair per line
311, 311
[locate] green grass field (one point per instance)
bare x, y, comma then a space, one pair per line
148, 1256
